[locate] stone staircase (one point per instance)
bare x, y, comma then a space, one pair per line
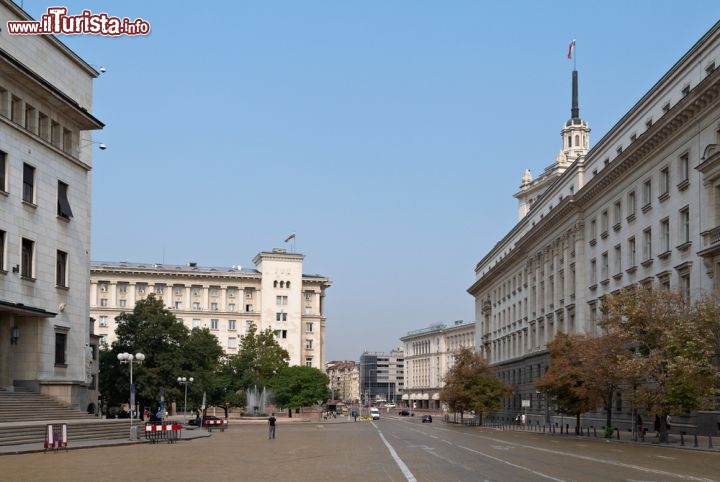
24, 416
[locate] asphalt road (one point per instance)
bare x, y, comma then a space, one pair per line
391, 449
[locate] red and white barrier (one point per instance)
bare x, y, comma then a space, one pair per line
56, 436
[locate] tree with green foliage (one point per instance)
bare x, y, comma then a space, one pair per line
673, 348
471, 384
170, 351
259, 359
298, 386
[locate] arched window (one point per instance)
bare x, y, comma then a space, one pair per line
577, 140
282, 284
569, 141
275, 284
287, 284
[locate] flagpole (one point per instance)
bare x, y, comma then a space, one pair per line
574, 55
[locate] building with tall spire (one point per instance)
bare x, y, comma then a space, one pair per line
575, 135
641, 207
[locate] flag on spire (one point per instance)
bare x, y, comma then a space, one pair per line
289, 238
571, 47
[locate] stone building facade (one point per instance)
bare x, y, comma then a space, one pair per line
429, 355
642, 206
226, 300
46, 126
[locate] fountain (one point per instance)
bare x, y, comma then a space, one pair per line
256, 402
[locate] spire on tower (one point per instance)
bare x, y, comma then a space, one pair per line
575, 112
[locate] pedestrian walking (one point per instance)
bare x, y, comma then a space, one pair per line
271, 426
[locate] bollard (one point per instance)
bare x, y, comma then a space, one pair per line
695, 444
682, 439
595, 431
618, 433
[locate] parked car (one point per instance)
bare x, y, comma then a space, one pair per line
427, 418
404, 413
389, 405
375, 413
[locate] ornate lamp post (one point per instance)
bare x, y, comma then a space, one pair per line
129, 359
185, 381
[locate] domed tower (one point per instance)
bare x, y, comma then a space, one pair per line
575, 132
576, 142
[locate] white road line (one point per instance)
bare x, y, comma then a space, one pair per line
534, 472
403, 468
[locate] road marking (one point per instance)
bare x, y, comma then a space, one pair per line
534, 472
599, 460
403, 468
665, 457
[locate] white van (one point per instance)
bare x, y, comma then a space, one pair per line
375, 413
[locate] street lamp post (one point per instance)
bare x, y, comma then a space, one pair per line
129, 358
185, 381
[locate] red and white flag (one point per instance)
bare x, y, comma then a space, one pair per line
571, 47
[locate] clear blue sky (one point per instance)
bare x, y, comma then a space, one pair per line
388, 135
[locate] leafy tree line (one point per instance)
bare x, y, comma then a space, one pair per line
661, 347
172, 350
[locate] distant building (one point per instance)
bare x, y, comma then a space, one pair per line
641, 207
429, 355
344, 380
276, 295
382, 377
46, 126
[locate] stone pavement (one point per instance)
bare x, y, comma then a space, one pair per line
310, 451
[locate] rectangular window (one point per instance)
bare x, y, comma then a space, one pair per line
16, 110
248, 308
2, 250
61, 265
63, 205
647, 244
631, 204
665, 235
593, 271
308, 327
67, 140
213, 306
28, 253
604, 266
103, 302
103, 321
617, 213
684, 167
593, 229
30, 119
214, 324
232, 325
44, 126
178, 305
3, 171
308, 344
28, 183
664, 181
232, 342
55, 134
308, 295
685, 225
122, 303
647, 192
122, 288
196, 323
196, 305
281, 316
60, 348
685, 284
604, 223
231, 307
618, 259
308, 362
